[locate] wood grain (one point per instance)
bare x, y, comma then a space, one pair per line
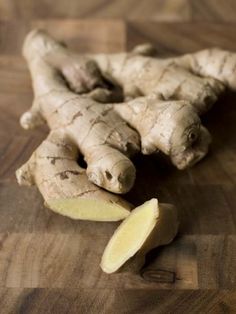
63, 260
155, 10
49, 263
47, 301
213, 10
177, 38
82, 35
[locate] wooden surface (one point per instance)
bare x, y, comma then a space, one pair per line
50, 264
158, 10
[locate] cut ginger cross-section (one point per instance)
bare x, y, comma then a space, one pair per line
148, 226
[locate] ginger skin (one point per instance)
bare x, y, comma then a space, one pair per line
155, 90
173, 78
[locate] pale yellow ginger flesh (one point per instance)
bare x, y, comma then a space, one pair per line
148, 226
130, 236
88, 209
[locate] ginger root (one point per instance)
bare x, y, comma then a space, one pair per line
101, 131
148, 226
164, 115
164, 97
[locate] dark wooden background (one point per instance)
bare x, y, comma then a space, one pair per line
50, 264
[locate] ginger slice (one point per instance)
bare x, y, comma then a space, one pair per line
88, 209
148, 226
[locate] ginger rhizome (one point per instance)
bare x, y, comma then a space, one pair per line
148, 226
163, 97
161, 112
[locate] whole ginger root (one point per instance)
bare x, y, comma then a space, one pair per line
161, 112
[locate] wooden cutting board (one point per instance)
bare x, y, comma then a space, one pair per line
49, 263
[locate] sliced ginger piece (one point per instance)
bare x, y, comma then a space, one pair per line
88, 209
148, 226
